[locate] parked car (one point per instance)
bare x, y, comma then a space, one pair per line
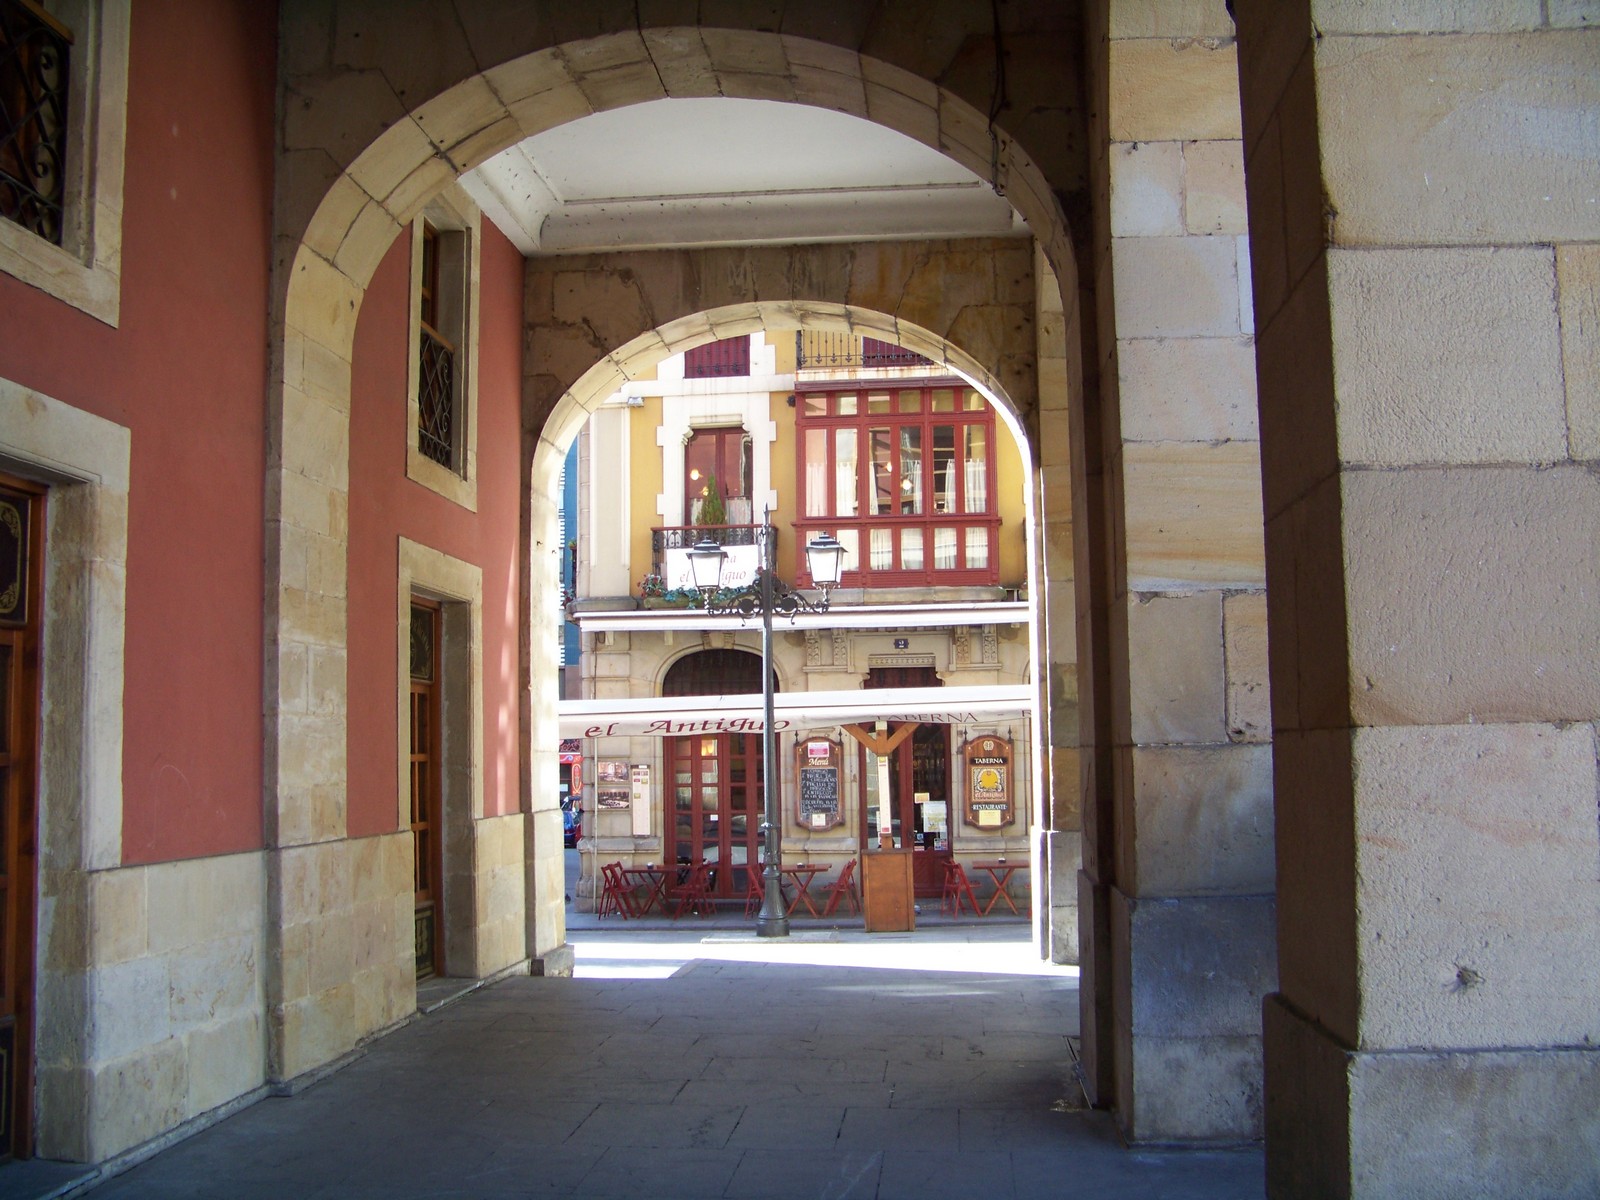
571, 821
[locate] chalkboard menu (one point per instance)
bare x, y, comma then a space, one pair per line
817, 796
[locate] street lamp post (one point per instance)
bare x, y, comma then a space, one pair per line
766, 596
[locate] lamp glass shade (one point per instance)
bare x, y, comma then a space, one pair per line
825, 560
705, 564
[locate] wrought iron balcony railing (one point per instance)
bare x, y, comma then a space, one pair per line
670, 545
817, 349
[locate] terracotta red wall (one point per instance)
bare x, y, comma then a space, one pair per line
186, 372
385, 505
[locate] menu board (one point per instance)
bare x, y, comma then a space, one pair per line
988, 779
817, 796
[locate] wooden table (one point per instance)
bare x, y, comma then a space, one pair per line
653, 881
1001, 873
802, 876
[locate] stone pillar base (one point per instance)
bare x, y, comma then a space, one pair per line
1448, 1123
558, 961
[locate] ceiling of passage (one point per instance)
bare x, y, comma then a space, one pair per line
706, 172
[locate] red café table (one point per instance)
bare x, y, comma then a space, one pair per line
803, 874
1001, 873
653, 881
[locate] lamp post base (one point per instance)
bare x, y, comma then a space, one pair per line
772, 926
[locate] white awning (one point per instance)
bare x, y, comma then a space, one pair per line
840, 616
673, 716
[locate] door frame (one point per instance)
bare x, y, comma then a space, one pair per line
21, 745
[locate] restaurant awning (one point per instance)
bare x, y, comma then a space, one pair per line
674, 716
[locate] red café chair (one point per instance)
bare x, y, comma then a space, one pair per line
616, 897
842, 888
957, 887
694, 892
755, 891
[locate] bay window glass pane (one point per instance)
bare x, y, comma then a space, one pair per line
944, 468
844, 475
885, 485
977, 549
850, 539
846, 405
910, 470
911, 549
910, 401
816, 404
882, 544
878, 402
973, 402
944, 400
944, 549
816, 468
977, 469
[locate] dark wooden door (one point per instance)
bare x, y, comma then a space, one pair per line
21, 564
425, 786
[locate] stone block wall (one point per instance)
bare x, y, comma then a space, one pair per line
1189, 804
169, 1004
1426, 203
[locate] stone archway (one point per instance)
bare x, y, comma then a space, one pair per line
334, 225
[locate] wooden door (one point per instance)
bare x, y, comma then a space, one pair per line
715, 806
425, 783
21, 564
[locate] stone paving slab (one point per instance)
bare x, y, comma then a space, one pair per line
724, 1080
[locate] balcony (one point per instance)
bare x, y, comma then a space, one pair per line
670, 545
829, 350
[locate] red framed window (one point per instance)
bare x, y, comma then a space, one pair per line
714, 360
904, 477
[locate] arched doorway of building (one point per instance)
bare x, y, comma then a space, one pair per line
713, 793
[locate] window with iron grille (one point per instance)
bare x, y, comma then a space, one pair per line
726, 358
35, 51
436, 363
904, 477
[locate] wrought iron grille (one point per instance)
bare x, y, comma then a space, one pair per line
682, 537
829, 348
436, 400
33, 119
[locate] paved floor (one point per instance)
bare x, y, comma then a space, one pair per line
691, 1061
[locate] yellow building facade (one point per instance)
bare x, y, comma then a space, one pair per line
902, 714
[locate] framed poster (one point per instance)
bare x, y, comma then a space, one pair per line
613, 786
817, 763
988, 777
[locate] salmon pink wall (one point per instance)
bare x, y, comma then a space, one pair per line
186, 373
385, 505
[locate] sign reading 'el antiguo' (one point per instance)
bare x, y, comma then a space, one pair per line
988, 779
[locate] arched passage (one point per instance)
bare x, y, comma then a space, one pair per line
331, 236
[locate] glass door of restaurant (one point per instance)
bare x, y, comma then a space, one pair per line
714, 806
919, 806
918, 778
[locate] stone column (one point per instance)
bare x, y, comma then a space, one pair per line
1188, 883
1424, 190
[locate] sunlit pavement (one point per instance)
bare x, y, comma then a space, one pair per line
704, 1063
